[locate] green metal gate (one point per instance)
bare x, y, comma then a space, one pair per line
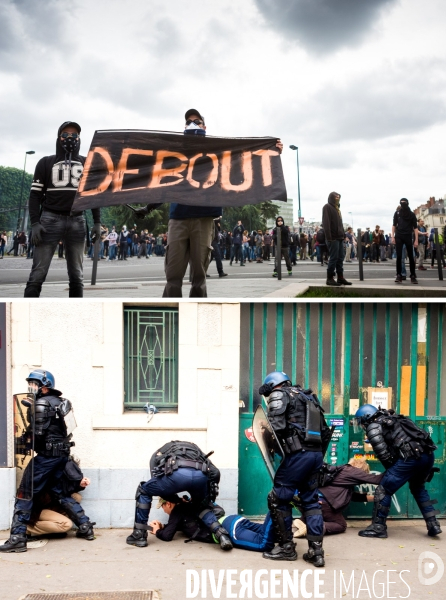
346, 353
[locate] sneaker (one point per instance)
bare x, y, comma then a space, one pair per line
399, 279
290, 273
403, 277
275, 274
222, 274
413, 279
422, 269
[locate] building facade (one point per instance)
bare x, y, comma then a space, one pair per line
201, 364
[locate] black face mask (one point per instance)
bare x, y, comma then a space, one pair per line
70, 144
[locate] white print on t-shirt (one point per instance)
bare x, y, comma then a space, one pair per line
63, 175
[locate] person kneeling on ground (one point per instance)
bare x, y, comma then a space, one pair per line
48, 518
336, 495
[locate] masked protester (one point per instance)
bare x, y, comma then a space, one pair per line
404, 227
190, 233
407, 453
53, 189
285, 240
52, 424
334, 236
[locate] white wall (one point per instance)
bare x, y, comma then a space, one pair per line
81, 343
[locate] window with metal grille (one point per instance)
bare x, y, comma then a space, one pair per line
150, 357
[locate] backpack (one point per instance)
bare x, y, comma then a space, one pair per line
320, 237
418, 435
327, 474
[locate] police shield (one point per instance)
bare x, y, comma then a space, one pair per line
24, 443
267, 441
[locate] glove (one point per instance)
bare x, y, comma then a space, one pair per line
266, 389
37, 230
96, 232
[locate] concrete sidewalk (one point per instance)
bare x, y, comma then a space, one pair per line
109, 564
236, 288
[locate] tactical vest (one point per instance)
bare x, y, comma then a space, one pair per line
175, 455
395, 437
303, 416
52, 437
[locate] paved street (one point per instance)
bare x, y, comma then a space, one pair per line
388, 568
142, 278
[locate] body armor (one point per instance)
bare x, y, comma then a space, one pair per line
53, 423
297, 418
395, 437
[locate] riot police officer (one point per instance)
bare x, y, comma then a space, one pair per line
407, 452
299, 424
176, 467
51, 422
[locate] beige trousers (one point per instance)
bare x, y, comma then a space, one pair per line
188, 240
50, 521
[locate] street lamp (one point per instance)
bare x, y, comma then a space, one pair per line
298, 185
21, 191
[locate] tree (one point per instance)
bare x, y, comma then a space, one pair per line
156, 222
253, 216
10, 190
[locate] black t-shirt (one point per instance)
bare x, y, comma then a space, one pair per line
404, 223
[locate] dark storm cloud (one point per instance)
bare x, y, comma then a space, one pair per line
27, 28
323, 26
398, 99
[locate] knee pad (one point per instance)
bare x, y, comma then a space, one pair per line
141, 492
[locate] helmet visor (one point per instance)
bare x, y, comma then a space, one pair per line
33, 386
357, 425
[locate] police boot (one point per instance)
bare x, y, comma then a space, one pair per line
286, 551
138, 536
433, 527
378, 527
16, 543
315, 554
86, 531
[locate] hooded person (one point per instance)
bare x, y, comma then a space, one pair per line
51, 198
285, 239
334, 238
404, 227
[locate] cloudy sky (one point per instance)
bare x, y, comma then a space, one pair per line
358, 85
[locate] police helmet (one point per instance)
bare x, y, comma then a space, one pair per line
276, 378
362, 415
41, 378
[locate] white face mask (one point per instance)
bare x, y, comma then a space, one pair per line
192, 126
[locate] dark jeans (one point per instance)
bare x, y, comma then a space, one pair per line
299, 472
71, 230
267, 252
237, 253
286, 256
414, 471
400, 241
47, 474
247, 535
123, 251
216, 255
184, 479
336, 253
